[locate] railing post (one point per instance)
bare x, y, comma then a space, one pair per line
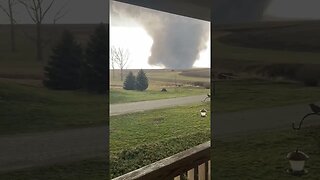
202, 172
209, 169
191, 174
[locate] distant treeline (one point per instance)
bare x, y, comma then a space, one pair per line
205, 73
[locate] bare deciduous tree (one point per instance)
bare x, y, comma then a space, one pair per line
60, 14
112, 64
37, 12
120, 57
10, 13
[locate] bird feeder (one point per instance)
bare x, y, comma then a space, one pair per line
203, 113
297, 158
297, 161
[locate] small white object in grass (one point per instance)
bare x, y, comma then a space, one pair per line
203, 113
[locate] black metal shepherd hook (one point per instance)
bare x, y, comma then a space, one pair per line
316, 111
208, 97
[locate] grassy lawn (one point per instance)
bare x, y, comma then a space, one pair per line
263, 155
172, 76
259, 156
150, 126
21, 62
29, 108
52, 110
159, 79
123, 96
250, 94
254, 55
142, 138
135, 140
166, 75
302, 36
94, 169
297, 43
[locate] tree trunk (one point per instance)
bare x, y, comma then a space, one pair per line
113, 73
121, 73
12, 32
13, 43
39, 43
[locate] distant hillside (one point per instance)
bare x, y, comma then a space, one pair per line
297, 36
287, 50
201, 72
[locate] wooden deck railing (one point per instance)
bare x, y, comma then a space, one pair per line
192, 164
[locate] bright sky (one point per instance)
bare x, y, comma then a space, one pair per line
138, 43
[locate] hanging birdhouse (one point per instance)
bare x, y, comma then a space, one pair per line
297, 158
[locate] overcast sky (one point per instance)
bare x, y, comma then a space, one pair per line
79, 12
96, 11
309, 9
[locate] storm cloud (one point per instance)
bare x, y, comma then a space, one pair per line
177, 40
239, 11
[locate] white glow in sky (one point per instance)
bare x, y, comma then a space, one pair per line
138, 43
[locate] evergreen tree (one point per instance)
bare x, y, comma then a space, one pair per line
141, 81
130, 82
64, 67
95, 68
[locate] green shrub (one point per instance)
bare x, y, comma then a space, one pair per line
64, 68
95, 68
130, 82
141, 81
